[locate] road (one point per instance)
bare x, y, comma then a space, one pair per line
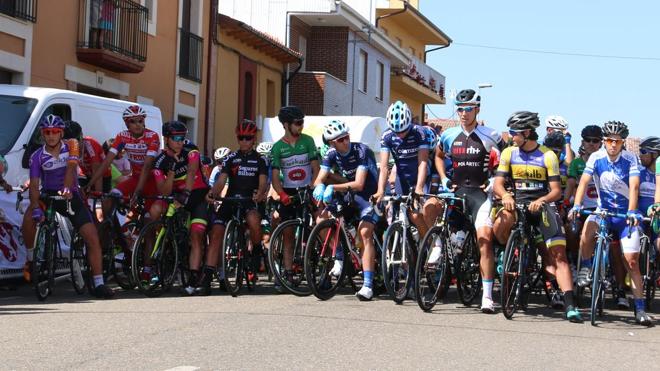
263, 330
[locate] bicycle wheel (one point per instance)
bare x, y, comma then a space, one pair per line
468, 275
396, 263
511, 274
128, 233
597, 289
42, 262
232, 256
647, 270
430, 276
78, 266
155, 258
319, 258
295, 283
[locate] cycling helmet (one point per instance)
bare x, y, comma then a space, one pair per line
615, 128
556, 122
72, 130
221, 153
51, 122
334, 129
399, 117
522, 120
172, 128
555, 140
246, 127
592, 131
290, 114
264, 148
134, 111
431, 138
467, 96
650, 144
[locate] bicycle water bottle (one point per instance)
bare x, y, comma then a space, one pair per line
500, 263
457, 240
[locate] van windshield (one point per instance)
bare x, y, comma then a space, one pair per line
15, 113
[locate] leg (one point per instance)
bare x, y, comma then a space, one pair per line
502, 226
366, 230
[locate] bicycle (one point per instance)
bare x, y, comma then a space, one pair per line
649, 266
161, 250
458, 261
302, 225
325, 240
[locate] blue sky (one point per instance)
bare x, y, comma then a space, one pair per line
582, 89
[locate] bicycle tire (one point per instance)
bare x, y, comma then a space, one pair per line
430, 277
397, 277
597, 284
468, 274
162, 265
232, 257
511, 274
122, 265
299, 286
319, 259
647, 270
80, 274
42, 263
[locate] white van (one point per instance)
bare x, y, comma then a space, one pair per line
22, 107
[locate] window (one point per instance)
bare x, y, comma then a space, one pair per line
152, 6
247, 96
380, 73
270, 99
362, 72
302, 48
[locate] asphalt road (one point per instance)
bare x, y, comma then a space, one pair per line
263, 330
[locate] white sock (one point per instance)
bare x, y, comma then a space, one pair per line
30, 254
487, 289
98, 280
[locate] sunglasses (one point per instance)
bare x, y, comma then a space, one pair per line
342, 139
592, 140
610, 141
298, 122
178, 138
465, 109
513, 133
51, 131
645, 152
245, 137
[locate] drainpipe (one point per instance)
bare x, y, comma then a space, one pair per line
405, 9
210, 75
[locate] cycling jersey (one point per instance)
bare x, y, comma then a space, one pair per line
215, 173
188, 155
575, 170
92, 154
294, 161
530, 171
4, 167
359, 157
405, 152
612, 178
243, 170
563, 176
469, 153
137, 149
52, 170
646, 188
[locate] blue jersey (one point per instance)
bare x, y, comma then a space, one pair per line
646, 188
405, 152
359, 157
612, 179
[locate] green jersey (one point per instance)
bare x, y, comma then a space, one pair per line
576, 168
294, 161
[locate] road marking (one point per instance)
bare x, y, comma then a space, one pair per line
183, 368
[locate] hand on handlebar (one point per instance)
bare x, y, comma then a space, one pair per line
575, 211
508, 202
634, 217
536, 206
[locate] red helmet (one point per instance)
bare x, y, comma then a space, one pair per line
246, 127
134, 111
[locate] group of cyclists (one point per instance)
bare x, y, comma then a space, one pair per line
472, 161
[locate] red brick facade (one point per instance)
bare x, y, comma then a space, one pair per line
307, 91
327, 51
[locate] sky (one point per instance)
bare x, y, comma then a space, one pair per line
584, 90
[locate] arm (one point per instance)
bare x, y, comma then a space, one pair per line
277, 183
382, 172
439, 161
98, 172
193, 166
263, 188
570, 189
554, 194
582, 187
34, 192
657, 189
633, 195
322, 177
356, 185
148, 164
315, 169
219, 185
165, 188
422, 170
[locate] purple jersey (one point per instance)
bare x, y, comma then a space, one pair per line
52, 170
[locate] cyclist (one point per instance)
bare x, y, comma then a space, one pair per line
91, 159
558, 123
4, 168
177, 170
357, 163
295, 157
53, 169
468, 149
219, 156
408, 144
245, 171
141, 146
649, 152
616, 174
534, 171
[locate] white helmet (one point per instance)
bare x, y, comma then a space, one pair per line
264, 148
399, 117
556, 122
221, 153
334, 129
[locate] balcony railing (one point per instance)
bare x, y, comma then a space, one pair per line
426, 76
113, 34
190, 55
22, 9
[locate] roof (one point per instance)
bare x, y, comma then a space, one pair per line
430, 33
257, 39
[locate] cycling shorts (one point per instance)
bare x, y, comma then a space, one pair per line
196, 206
628, 236
549, 223
81, 214
228, 209
363, 208
288, 212
127, 187
477, 206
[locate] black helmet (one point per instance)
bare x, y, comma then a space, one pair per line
592, 131
650, 144
72, 130
467, 96
172, 128
615, 128
555, 140
522, 120
290, 114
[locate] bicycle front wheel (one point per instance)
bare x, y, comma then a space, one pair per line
155, 259
42, 274
78, 266
233, 257
430, 275
597, 287
320, 256
468, 274
294, 281
397, 261
511, 274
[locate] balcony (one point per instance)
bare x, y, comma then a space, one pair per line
112, 34
21, 9
420, 82
190, 55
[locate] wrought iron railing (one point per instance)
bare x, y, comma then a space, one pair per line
190, 55
22, 9
116, 25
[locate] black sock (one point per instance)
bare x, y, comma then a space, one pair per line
569, 300
193, 277
555, 285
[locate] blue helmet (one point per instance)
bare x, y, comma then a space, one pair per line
52, 122
399, 117
431, 137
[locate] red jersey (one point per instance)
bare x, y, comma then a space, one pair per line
92, 154
137, 149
